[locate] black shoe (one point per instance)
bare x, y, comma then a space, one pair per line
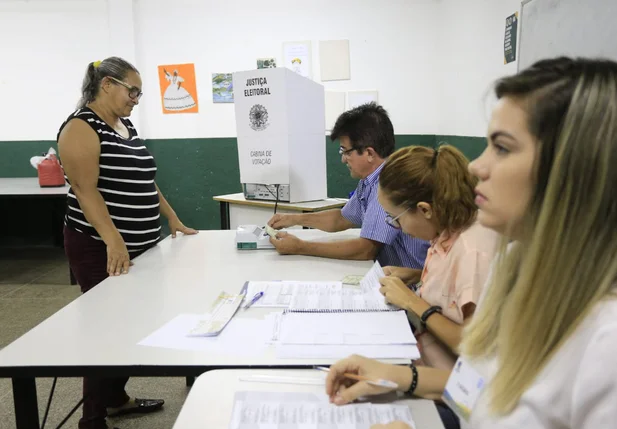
141, 406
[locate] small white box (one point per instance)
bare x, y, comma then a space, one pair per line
280, 122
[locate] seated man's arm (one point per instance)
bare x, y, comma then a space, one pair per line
359, 249
328, 220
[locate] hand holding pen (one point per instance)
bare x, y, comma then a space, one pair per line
357, 376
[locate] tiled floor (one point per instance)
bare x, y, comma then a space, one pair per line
34, 284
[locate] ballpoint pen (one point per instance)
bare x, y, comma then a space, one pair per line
254, 300
380, 382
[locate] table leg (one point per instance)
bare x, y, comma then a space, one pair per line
224, 208
57, 219
26, 406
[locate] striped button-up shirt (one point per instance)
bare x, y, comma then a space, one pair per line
363, 209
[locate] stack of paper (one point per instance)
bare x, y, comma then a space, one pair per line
279, 293
379, 328
308, 410
241, 337
343, 300
321, 296
380, 335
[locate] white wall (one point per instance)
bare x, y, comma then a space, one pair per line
45, 48
432, 61
470, 38
392, 47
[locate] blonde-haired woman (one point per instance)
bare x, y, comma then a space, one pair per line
544, 337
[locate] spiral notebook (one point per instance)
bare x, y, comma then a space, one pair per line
337, 301
385, 328
343, 300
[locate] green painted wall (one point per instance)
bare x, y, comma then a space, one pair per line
15, 156
190, 172
472, 147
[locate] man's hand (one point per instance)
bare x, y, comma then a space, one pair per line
287, 244
407, 275
280, 221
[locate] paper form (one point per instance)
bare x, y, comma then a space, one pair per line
303, 351
370, 282
324, 300
318, 379
223, 309
278, 294
388, 327
244, 337
269, 410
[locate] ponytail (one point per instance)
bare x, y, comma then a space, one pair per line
90, 85
453, 191
439, 177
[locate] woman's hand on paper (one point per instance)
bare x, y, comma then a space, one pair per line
397, 293
407, 275
343, 390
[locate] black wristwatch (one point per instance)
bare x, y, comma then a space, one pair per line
428, 313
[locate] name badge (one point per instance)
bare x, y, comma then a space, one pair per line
463, 389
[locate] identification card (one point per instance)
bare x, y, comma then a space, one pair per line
463, 389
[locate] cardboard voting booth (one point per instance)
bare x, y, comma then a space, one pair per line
280, 123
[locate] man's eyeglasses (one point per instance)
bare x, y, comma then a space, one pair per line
393, 221
345, 152
134, 92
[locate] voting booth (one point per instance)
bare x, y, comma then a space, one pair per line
280, 123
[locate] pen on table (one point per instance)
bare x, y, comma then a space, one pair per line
254, 300
380, 382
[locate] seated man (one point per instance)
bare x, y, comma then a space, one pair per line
366, 138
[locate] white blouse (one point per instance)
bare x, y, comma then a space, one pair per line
576, 390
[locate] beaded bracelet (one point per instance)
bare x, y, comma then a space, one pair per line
414, 380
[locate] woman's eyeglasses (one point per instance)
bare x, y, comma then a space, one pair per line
134, 92
393, 221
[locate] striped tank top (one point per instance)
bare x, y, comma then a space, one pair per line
126, 182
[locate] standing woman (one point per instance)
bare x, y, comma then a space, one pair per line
114, 206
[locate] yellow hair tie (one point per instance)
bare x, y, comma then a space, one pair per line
96, 64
